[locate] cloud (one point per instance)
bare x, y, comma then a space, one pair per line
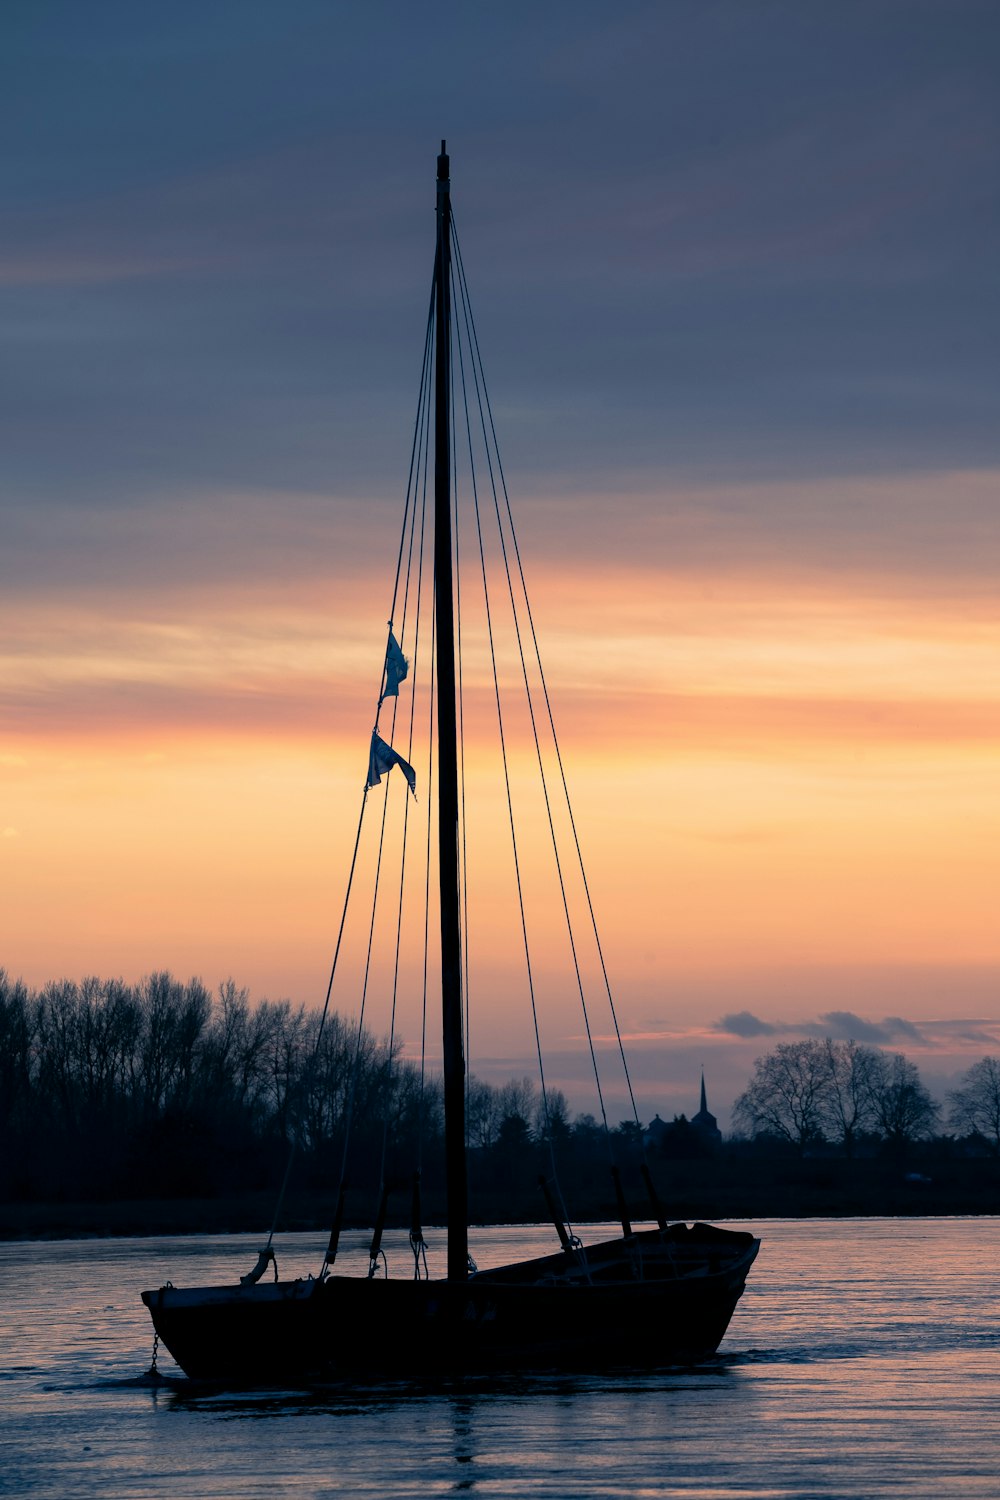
891, 1031
981, 1032
898, 1029
845, 1025
840, 1025
744, 1023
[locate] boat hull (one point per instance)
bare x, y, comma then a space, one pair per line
642, 1303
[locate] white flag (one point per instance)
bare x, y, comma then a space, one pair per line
381, 761
396, 668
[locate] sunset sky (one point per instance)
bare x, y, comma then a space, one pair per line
734, 265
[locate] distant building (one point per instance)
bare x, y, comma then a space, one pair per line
705, 1123
683, 1137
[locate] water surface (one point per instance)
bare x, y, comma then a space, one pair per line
863, 1361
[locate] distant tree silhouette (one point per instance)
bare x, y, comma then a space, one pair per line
18, 1027
847, 1107
812, 1091
975, 1104
787, 1095
161, 1089
903, 1110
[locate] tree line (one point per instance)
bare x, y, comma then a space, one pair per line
162, 1089
815, 1093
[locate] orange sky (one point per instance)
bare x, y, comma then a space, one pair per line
773, 770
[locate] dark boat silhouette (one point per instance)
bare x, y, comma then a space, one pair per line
641, 1299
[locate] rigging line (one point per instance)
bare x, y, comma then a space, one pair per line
422, 405
461, 746
421, 401
395, 991
406, 800
349, 1116
412, 485
349, 1112
427, 872
548, 705
534, 730
427, 888
326, 1007
356, 1064
503, 749
421, 425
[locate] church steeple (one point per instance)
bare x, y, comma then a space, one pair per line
704, 1122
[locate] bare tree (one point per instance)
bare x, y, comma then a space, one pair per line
903, 1110
847, 1104
975, 1105
162, 1000
328, 1070
483, 1113
518, 1099
58, 1046
18, 1029
552, 1117
288, 1034
490, 1108
786, 1096
109, 1024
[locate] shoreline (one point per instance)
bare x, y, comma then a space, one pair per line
253, 1213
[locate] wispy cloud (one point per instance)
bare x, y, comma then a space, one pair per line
983, 1032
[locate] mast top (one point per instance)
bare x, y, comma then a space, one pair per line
443, 166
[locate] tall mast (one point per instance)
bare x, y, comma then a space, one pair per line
451, 939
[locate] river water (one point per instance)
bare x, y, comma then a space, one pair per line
863, 1361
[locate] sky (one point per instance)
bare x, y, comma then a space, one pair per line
733, 264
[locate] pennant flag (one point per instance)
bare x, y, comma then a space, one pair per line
381, 761
396, 668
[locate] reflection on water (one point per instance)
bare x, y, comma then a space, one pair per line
862, 1362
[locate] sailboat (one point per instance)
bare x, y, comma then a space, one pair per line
643, 1298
